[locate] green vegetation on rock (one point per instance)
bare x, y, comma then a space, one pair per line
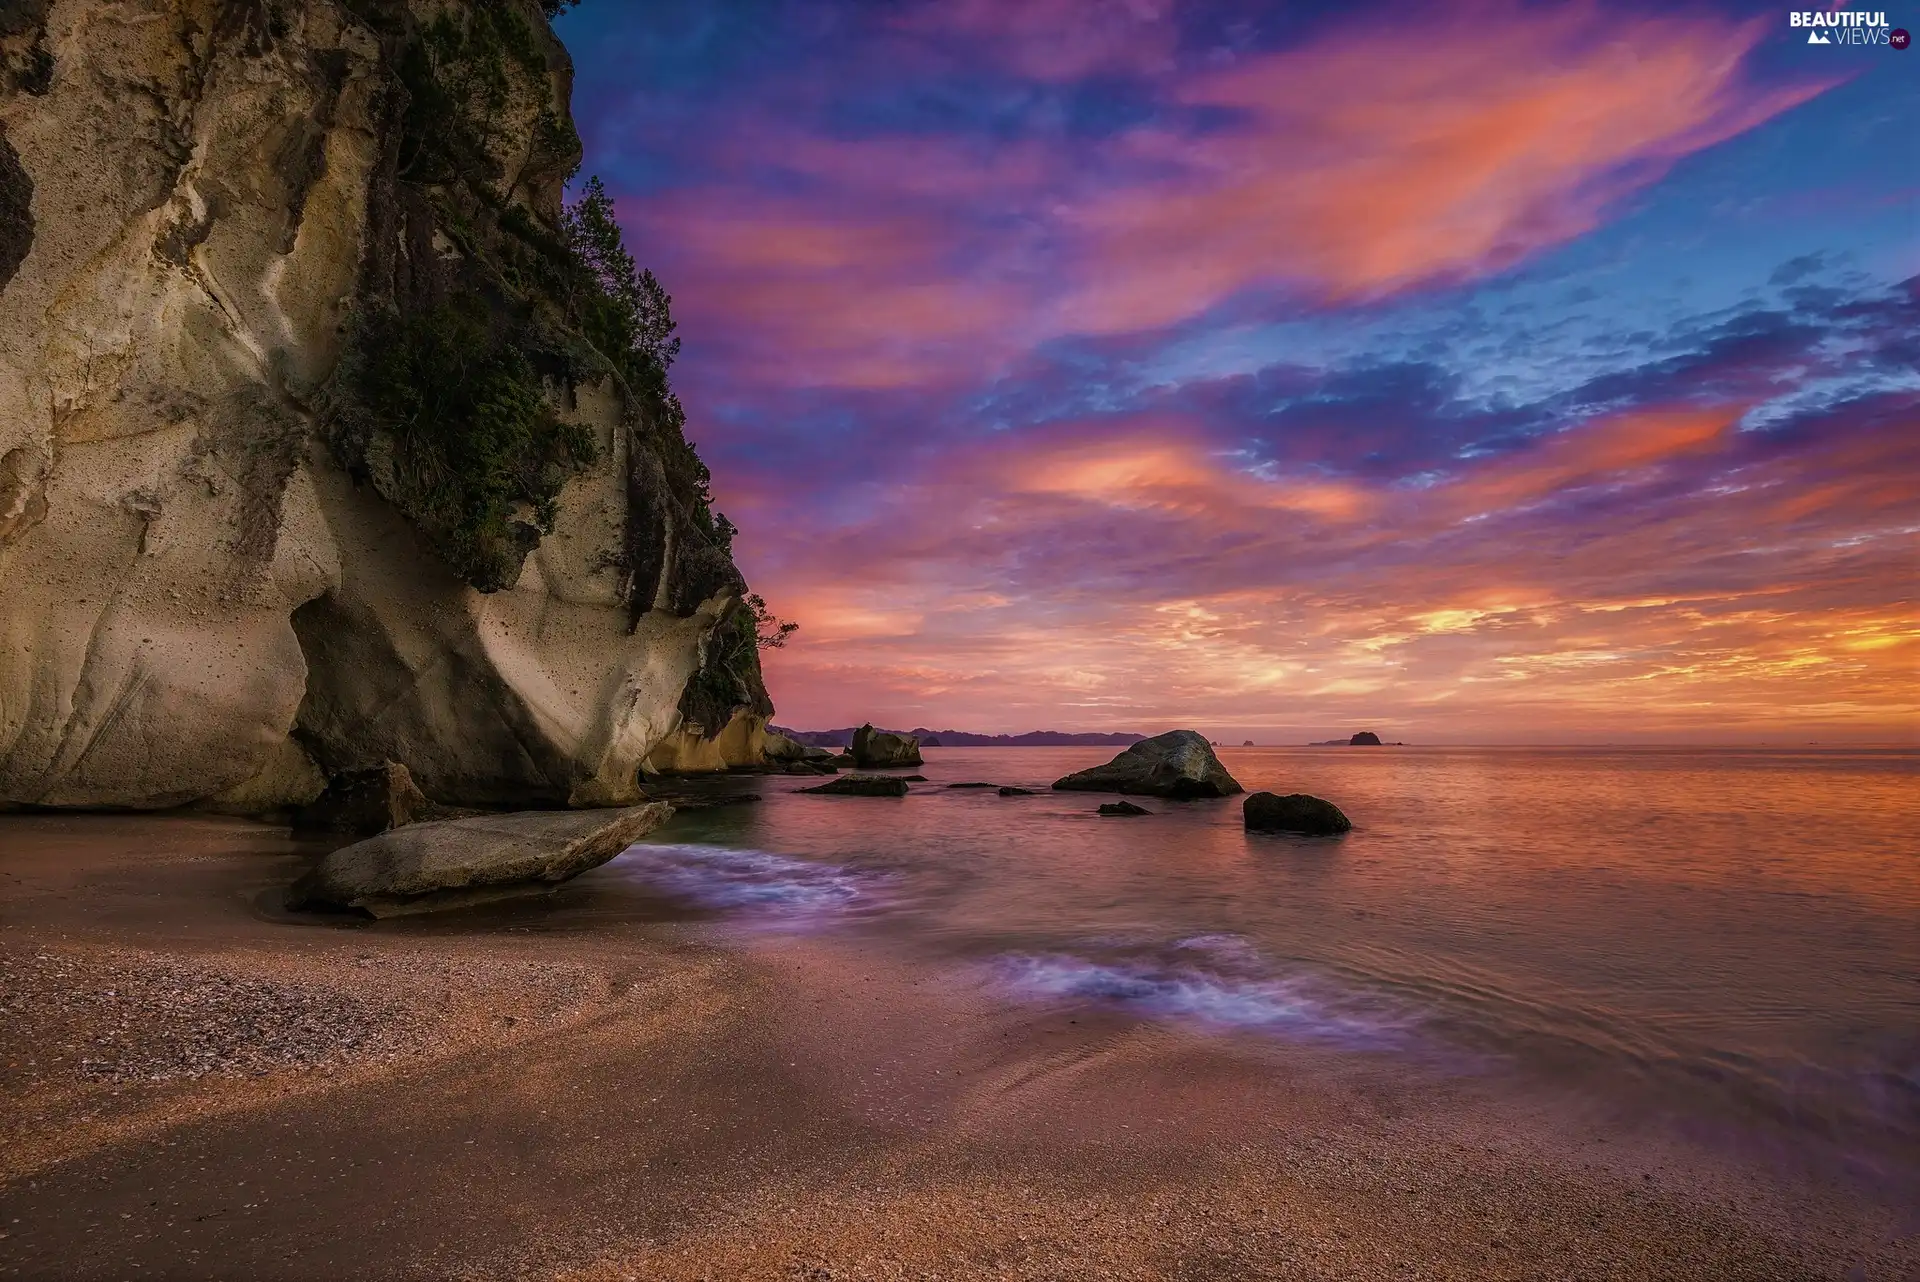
485, 303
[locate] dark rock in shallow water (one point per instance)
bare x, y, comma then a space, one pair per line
1179, 763
365, 802
911, 778
425, 867
876, 749
1295, 812
1009, 791
862, 786
1365, 739
1123, 808
970, 785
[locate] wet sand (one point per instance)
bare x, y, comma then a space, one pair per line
590, 1087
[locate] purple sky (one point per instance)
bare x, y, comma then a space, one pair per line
1494, 373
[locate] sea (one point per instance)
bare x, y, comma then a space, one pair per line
1721, 942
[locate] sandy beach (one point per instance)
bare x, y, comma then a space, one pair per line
200, 1087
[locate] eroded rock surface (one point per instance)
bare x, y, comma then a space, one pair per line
218, 576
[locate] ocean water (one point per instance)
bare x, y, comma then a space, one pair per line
1727, 941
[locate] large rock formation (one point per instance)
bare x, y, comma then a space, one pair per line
455, 863
1179, 763
319, 447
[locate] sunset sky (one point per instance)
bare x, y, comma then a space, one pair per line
1472, 373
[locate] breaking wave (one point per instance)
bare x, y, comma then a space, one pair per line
1215, 981
766, 888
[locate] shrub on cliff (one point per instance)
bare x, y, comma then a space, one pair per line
485, 301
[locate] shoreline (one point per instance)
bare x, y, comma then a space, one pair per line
580, 1090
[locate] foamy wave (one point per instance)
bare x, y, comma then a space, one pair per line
755, 884
1218, 981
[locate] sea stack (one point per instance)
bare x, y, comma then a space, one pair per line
876, 749
1365, 739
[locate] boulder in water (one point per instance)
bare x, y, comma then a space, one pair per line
1010, 791
862, 786
877, 750
1179, 763
1123, 808
1295, 812
457, 862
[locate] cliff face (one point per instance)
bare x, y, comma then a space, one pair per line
317, 446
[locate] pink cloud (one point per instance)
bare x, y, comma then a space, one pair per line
1347, 167
1149, 583
1355, 171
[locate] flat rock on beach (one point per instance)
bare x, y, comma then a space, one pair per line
458, 862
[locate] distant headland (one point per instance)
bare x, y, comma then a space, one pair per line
968, 739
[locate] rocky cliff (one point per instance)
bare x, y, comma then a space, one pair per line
327, 435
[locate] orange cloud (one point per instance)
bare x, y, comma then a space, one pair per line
1148, 467
1592, 452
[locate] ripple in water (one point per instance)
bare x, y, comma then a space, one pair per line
757, 885
1218, 982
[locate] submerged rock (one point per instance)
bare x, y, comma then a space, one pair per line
365, 802
1179, 763
975, 784
876, 749
1010, 791
1123, 808
453, 863
1295, 812
862, 786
